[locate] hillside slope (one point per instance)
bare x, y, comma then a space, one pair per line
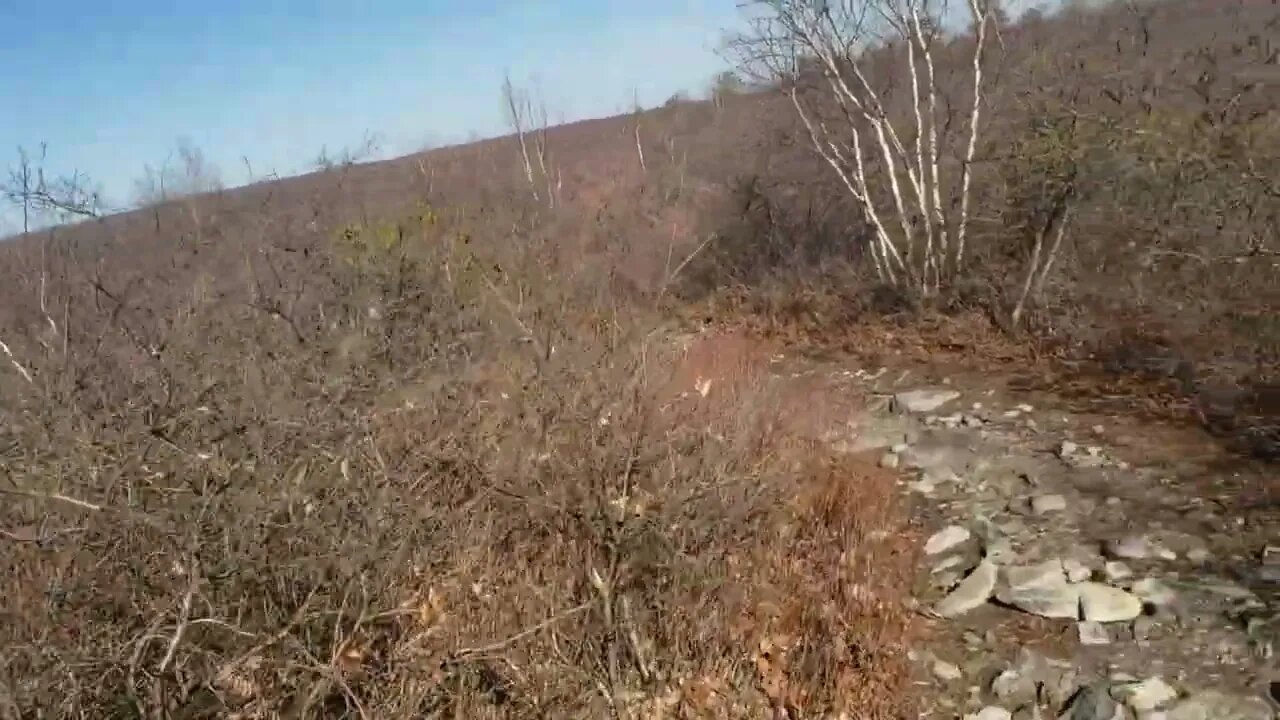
421, 438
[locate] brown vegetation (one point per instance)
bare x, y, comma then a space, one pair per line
403, 439
437, 485
306, 461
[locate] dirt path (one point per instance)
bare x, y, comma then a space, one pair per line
1077, 565
1080, 561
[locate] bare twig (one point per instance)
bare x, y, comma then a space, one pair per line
633, 636
636, 113
56, 497
22, 370
33, 191
561, 616
541, 146
8, 703
671, 277
981, 11
184, 614
93, 507
1041, 262
135, 662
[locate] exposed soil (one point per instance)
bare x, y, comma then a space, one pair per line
1147, 471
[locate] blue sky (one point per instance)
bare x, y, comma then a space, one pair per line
112, 86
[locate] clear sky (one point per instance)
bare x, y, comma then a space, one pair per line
111, 86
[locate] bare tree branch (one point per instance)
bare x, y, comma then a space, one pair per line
517, 107
889, 160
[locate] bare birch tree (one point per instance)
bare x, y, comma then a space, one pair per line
916, 204
636, 113
540, 123
528, 116
516, 104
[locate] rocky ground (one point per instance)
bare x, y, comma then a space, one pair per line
1077, 566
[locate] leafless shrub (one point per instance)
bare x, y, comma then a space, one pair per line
1160, 148
415, 467
190, 173
369, 146
42, 198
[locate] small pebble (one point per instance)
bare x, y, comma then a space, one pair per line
945, 671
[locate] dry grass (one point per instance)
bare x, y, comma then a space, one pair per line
418, 469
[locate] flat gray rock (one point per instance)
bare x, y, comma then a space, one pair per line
946, 539
1214, 705
1133, 547
972, 592
1147, 695
946, 671
1041, 589
1116, 570
1045, 504
1153, 591
943, 462
924, 400
1103, 603
1015, 686
948, 563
